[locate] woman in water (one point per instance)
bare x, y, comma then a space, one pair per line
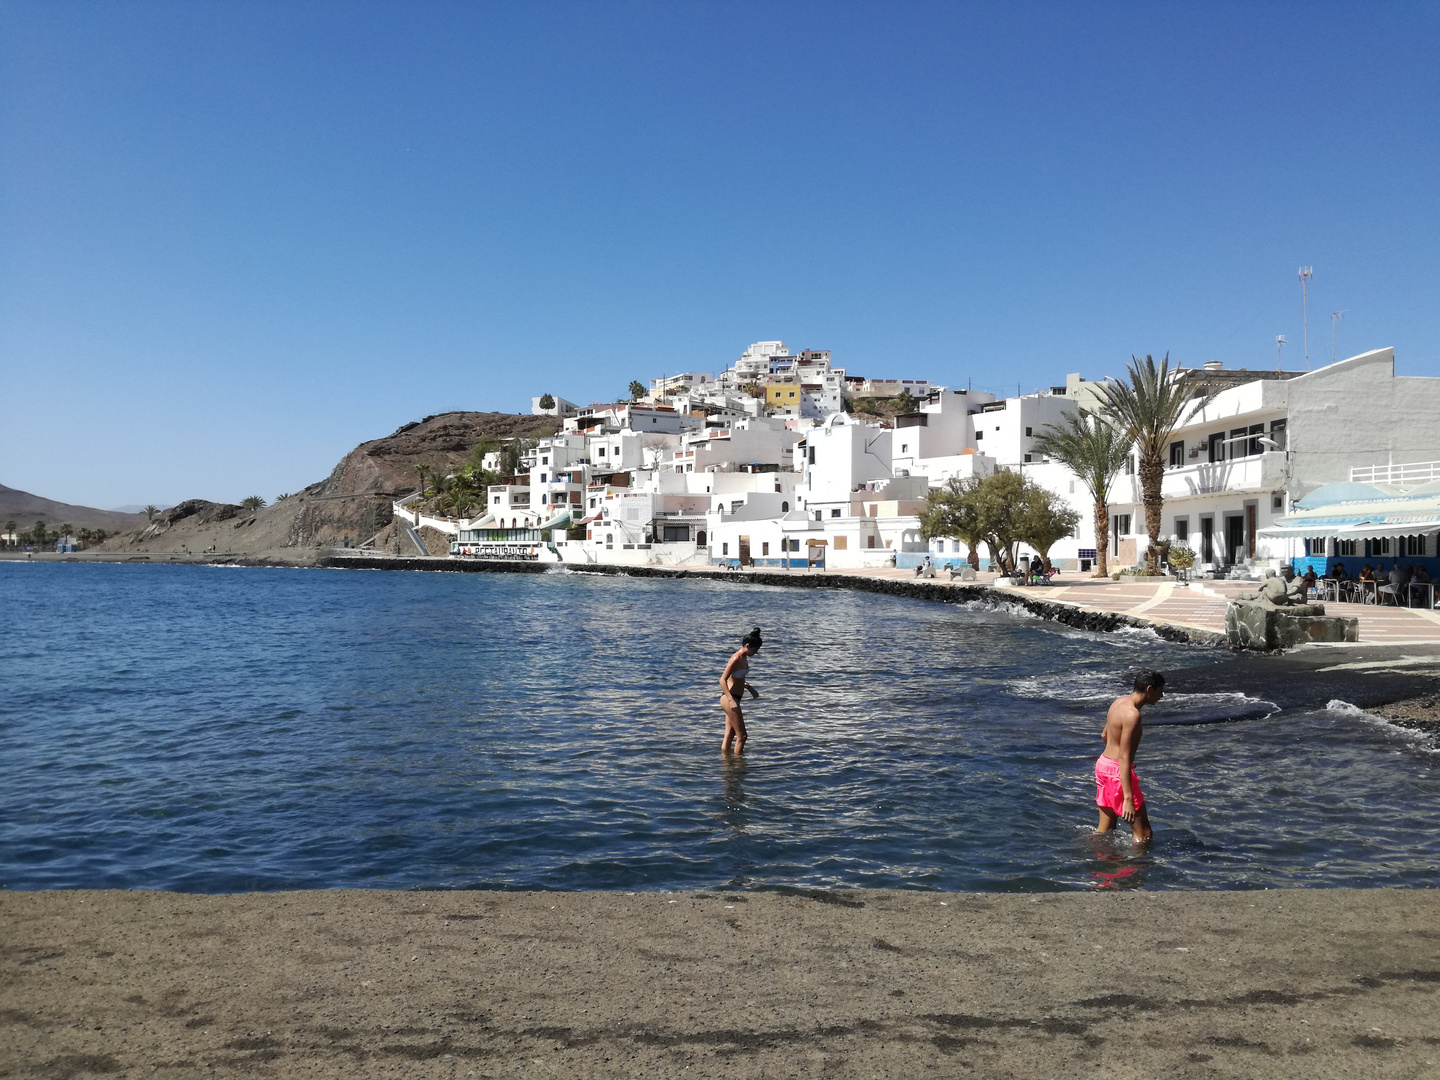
733, 684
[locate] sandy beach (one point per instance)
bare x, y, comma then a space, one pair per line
1303, 983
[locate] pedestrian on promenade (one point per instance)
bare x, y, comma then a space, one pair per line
1117, 786
733, 684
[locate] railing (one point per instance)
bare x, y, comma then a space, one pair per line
1259, 472
1420, 472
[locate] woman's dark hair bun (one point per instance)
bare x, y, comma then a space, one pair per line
752, 636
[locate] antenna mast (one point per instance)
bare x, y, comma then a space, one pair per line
1306, 273
1335, 316
1280, 343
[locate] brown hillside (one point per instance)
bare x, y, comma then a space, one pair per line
353, 501
25, 509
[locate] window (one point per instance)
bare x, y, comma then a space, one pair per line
1028, 433
1120, 526
676, 534
840, 543
979, 435
1239, 446
700, 538
817, 515
1028, 457
1130, 465
1217, 446
543, 479
1345, 547
1378, 546
870, 541
765, 547
1412, 545
904, 448
835, 512
1182, 530
784, 507
600, 451
812, 455
1072, 487
592, 504
1277, 502
1177, 454
1277, 433
609, 539
724, 549
544, 461
542, 499
1254, 447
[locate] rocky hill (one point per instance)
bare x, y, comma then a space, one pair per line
353, 502
26, 509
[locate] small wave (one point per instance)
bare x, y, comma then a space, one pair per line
1335, 705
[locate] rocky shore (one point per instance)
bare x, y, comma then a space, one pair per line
1303, 983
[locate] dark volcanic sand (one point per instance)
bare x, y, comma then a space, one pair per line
1305, 983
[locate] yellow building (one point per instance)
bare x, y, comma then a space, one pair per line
780, 394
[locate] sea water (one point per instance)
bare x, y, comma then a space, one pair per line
217, 729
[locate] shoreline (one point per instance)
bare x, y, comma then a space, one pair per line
1304, 983
1400, 683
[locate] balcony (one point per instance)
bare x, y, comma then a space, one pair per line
1258, 472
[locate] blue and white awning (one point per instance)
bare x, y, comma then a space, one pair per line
1404, 515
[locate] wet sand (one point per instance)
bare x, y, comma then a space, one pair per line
1303, 983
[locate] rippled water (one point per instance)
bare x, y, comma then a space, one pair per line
214, 729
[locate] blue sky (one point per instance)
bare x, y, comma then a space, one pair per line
236, 239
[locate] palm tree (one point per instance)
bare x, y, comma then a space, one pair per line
150, 512
1148, 409
1094, 450
10, 531
252, 502
423, 471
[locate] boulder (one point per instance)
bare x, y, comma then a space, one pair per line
1256, 624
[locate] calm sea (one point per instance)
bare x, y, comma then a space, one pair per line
214, 729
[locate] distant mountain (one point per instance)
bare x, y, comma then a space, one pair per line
25, 509
135, 509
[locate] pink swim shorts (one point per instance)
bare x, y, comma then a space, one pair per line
1108, 792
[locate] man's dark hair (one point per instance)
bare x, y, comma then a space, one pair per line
1146, 679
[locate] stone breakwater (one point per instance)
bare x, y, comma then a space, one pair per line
958, 593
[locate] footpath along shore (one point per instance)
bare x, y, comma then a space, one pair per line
1308, 983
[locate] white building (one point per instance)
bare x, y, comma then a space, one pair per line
835, 459
561, 407
1238, 464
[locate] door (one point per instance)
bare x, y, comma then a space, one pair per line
1234, 538
1250, 531
1207, 540
745, 551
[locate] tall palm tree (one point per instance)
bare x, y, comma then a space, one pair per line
150, 512
1094, 450
423, 471
1148, 408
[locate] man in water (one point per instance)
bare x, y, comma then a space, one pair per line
1117, 787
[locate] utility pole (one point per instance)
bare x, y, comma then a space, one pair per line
1306, 273
1280, 343
1335, 316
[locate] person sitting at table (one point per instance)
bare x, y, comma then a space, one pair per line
1339, 573
1394, 584
1421, 575
1308, 581
1367, 573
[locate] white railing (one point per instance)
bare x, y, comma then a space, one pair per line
1419, 472
1260, 472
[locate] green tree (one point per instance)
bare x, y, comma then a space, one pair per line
952, 512
904, 402
637, 389
252, 502
1094, 450
1148, 407
546, 401
10, 532
150, 512
423, 471
1045, 520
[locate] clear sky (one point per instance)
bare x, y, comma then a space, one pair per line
237, 239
